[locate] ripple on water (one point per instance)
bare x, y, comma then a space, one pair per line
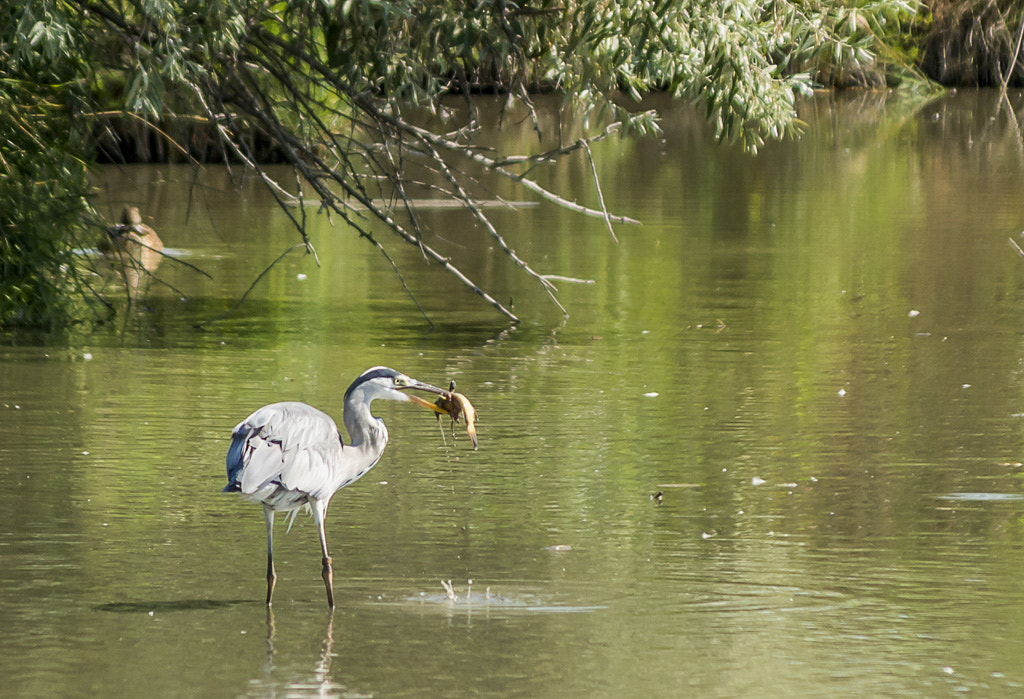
982, 497
470, 601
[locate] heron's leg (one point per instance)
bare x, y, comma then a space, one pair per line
320, 513
268, 514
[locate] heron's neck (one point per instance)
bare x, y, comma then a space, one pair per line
366, 433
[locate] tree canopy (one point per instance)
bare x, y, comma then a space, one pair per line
334, 86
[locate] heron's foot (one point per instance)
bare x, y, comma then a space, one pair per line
328, 575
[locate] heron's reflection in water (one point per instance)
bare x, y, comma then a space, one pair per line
320, 684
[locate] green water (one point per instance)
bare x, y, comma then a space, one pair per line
814, 356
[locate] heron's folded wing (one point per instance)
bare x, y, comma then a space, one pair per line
290, 444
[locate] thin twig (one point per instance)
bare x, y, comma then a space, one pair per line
530, 184
597, 185
172, 258
138, 117
256, 281
288, 141
1014, 58
398, 273
463, 196
1020, 251
570, 280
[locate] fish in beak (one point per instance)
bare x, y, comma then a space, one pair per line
454, 405
457, 406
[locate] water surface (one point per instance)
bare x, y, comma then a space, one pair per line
775, 450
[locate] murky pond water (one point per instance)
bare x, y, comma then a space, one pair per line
775, 450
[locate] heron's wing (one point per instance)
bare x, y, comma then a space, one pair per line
292, 446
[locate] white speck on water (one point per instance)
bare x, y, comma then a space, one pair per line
948, 670
301, 277
651, 394
914, 313
966, 385
757, 481
85, 453
87, 356
841, 392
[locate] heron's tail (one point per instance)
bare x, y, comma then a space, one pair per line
295, 513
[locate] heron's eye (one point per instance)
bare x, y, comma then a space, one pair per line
400, 381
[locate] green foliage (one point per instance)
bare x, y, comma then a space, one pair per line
331, 84
42, 178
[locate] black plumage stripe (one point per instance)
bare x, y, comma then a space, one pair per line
375, 373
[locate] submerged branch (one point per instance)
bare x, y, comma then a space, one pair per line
461, 194
252, 286
394, 267
495, 165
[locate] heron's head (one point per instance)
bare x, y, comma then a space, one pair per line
388, 384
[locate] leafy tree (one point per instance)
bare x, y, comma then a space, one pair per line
338, 87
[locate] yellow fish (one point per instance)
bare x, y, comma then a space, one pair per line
457, 406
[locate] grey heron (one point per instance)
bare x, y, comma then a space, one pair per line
286, 456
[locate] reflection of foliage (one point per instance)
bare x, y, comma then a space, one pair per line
332, 86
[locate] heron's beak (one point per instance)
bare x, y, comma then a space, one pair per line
426, 403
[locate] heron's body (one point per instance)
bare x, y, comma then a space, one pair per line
288, 455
